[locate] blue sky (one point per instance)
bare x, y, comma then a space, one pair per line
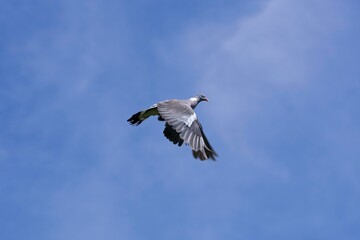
282, 77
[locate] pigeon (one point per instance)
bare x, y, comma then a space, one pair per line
181, 124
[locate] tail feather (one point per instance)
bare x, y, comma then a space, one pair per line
135, 119
139, 117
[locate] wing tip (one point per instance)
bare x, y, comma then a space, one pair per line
204, 156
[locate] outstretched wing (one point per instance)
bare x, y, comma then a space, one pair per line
182, 125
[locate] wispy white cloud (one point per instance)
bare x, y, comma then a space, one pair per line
278, 48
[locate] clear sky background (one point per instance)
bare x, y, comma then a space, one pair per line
283, 80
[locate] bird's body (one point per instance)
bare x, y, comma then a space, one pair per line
181, 124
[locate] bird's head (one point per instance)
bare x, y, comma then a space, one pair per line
202, 98
198, 98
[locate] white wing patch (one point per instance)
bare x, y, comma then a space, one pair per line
189, 120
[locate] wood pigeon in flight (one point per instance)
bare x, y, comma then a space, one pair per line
181, 124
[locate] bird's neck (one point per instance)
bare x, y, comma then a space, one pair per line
194, 101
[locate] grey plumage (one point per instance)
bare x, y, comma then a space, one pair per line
181, 124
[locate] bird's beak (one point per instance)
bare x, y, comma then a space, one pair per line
206, 99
